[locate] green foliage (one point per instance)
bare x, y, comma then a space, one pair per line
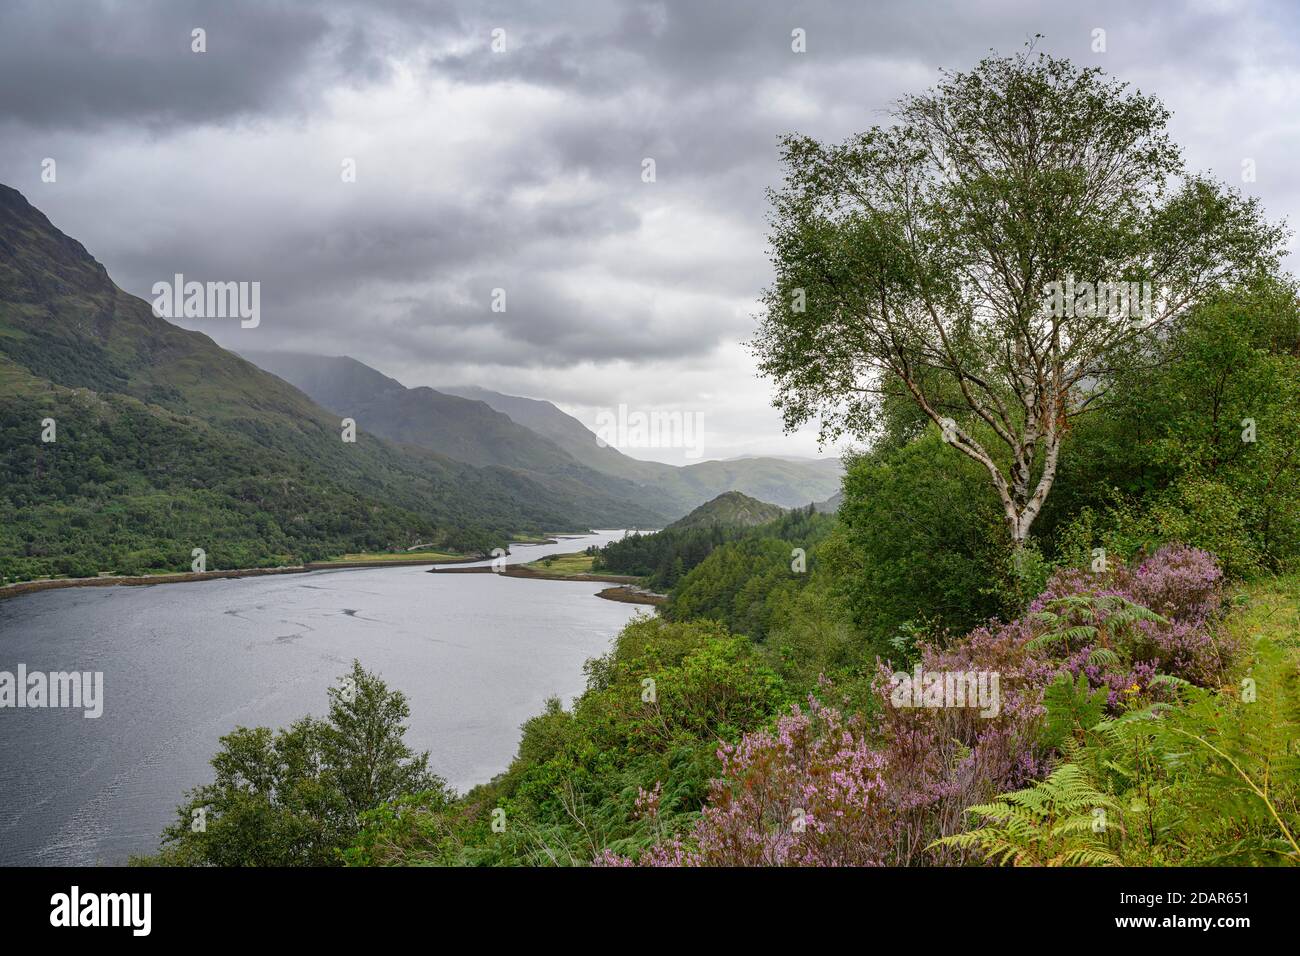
745, 584
1072, 709
814, 638
1233, 754
1210, 780
665, 557
1167, 457
299, 796
388, 831
649, 722
1053, 823
920, 539
750, 583
1019, 575
1078, 620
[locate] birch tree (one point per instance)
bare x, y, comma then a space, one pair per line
992, 255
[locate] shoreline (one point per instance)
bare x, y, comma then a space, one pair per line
625, 589
630, 594
182, 577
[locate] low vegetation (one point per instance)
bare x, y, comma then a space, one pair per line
563, 564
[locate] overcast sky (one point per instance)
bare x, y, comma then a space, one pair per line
522, 169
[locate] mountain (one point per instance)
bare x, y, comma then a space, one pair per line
483, 427
460, 428
789, 482
339, 384
832, 504
165, 442
786, 483
566, 432
466, 431
731, 508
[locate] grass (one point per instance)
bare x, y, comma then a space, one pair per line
1272, 610
16, 380
381, 557
562, 564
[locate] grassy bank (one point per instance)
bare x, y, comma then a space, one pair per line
346, 562
571, 567
399, 557
562, 565
1271, 610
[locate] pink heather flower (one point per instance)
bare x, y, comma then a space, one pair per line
824, 790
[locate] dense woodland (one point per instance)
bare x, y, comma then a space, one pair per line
663, 558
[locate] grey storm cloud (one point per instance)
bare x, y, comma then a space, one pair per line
75, 64
387, 245
97, 62
522, 170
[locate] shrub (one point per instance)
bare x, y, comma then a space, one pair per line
891, 793
299, 796
812, 793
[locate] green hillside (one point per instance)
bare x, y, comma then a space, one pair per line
730, 508
463, 429
166, 442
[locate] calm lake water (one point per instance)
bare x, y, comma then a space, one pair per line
475, 654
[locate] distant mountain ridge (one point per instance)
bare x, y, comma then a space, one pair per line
832, 504
565, 430
788, 482
483, 427
467, 431
460, 428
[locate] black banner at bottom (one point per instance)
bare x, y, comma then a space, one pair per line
130, 904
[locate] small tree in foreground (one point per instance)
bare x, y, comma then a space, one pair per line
1020, 233
296, 797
